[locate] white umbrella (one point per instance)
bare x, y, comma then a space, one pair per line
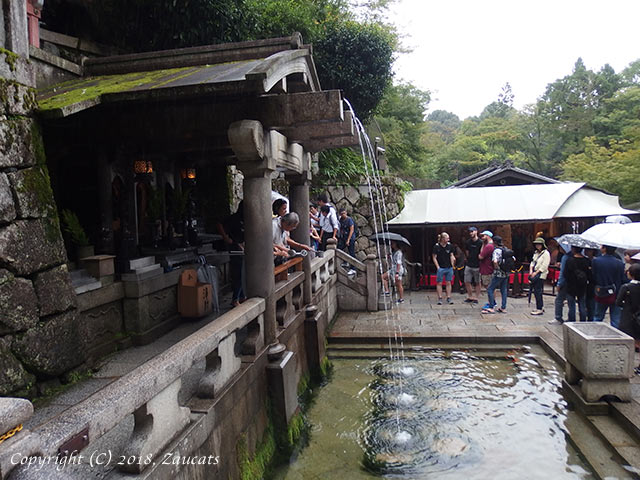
622, 235
617, 219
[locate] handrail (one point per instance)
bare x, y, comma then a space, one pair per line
354, 262
158, 377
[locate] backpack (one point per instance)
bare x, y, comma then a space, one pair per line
507, 261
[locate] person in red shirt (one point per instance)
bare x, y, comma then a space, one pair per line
486, 265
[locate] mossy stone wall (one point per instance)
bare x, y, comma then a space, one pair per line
39, 331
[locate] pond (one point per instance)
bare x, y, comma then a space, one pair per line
441, 414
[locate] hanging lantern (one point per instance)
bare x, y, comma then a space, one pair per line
142, 167
188, 173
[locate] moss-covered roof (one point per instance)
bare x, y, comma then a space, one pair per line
69, 97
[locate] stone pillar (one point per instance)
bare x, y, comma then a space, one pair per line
299, 203
372, 282
248, 143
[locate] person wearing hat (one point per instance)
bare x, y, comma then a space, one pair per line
538, 271
486, 265
500, 278
608, 277
472, 269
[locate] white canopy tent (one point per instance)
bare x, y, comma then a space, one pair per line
505, 204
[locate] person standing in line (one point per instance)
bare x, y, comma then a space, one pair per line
348, 232
458, 271
472, 268
561, 294
485, 265
445, 261
279, 207
329, 226
232, 231
395, 272
538, 271
608, 276
629, 301
590, 253
577, 279
500, 278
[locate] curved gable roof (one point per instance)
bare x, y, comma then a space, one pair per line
506, 204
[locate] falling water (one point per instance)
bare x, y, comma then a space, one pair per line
380, 219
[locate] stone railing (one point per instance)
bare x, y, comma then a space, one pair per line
357, 283
322, 268
150, 393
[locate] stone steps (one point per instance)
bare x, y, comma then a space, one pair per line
598, 453
622, 442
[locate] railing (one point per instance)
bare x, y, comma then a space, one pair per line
150, 393
363, 282
322, 268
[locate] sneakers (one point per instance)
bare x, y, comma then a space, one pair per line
449, 301
486, 306
439, 301
554, 322
468, 300
386, 294
637, 370
537, 312
488, 310
401, 300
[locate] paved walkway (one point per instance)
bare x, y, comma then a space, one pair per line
419, 317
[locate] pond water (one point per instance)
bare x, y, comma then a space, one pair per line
440, 414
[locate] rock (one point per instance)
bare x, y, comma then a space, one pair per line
361, 243
17, 99
32, 190
54, 291
28, 246
366, 231
18, 303
13, 376
359, 219
7, 208
361, 255
52, 347
335, 193
17, 145
351, 194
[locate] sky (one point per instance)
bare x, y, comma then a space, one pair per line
464, 51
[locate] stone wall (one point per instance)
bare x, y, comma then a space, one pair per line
357, 201
38, 323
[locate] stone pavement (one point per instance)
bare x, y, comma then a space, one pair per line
419, 317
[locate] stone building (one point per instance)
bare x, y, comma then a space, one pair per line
118, 142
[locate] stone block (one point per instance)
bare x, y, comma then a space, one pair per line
137, 263
54, 291
32, 191
16, 99
99, 266
52, 347
18, 303
335, 193
102, 324
593, 389
222, 365
283, 381
17, 69
28, 246
14, 412
598, 350
20, 142
13, 376
7, 208
351, 194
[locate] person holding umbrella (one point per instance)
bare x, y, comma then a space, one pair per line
396, 271
538, 271
608, 276
629, 300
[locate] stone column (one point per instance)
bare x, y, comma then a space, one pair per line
248, 143
299, 203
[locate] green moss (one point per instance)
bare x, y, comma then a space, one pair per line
37, 145
92, 88
10, 58
74, 378
36, 182
255, 468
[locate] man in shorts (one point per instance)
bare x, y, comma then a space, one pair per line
444, 260
486, 253
472, 270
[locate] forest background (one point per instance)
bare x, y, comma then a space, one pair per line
584, 126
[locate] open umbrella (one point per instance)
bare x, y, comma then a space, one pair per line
617, 219
390, 236
569, 240
620, 235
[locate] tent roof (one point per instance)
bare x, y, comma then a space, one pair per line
518, 203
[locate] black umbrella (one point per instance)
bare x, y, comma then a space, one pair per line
576, 240
389, 237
